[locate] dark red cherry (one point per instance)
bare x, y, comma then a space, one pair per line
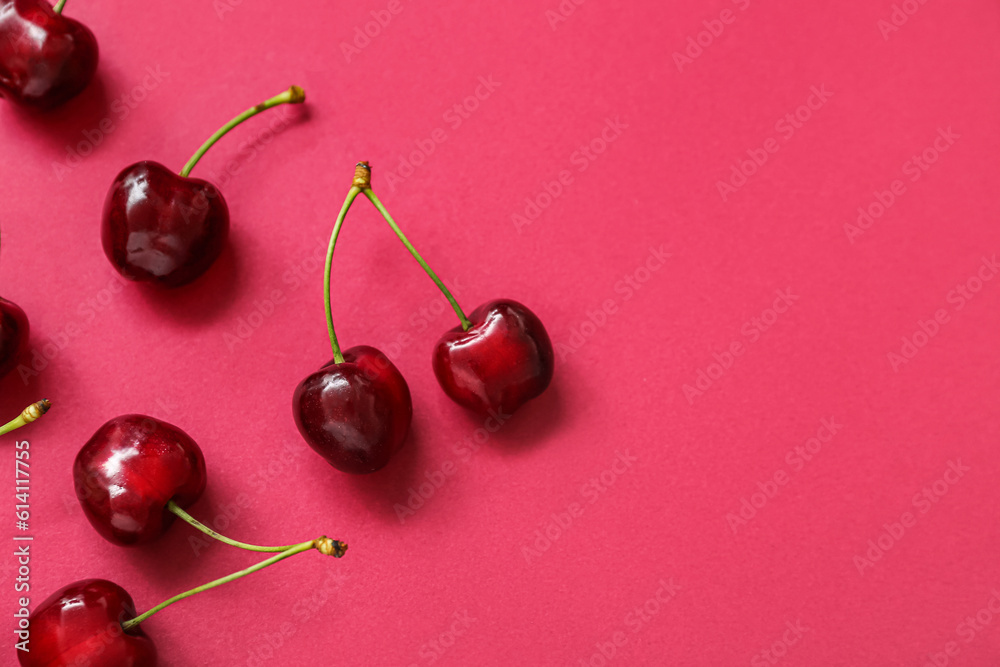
127, 473
504, 360
355, 414
13, 335
45, 58
80, 624
162, 228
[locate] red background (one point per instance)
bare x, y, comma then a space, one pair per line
471, 552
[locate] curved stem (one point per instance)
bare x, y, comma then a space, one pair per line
413, 251
323, 544
351, 195
293, 95
59, 6
31, 413
176, 509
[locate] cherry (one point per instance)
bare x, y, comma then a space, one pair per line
45, 58
354, 413
356, 410
496, 361
128, 473
14, 331
81, 624
167, 229
503, 360
162, 228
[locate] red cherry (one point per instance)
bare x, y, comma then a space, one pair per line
127, 473
80, 624
354, 414
162, 228
13, 336
165, 228
502, 361
45, 58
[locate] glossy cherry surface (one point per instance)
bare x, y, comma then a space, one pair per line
80, 624
129, 470
162, 228
355, 414
45, 57
502, 361
13, 335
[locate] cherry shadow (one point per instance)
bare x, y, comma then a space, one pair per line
65, 125
384, 488
529, 427
202, 301
171, 557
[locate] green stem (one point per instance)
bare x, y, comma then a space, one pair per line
293, 95
59, 6
31, 413
351, 195
176, 509
324, 545
420, 260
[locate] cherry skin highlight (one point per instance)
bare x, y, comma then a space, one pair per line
14, 331
45, 58
80, 624
162, 228
504, 360
355, 414
127, 473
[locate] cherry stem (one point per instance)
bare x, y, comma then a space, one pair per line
31, 413
293, 95
420, 260
324, 545
176, 509
59, 6
338, 357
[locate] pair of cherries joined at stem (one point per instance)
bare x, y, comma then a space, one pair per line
133, 478
167, 229
45, 58
356, 410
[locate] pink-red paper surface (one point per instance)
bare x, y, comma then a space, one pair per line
763, 237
